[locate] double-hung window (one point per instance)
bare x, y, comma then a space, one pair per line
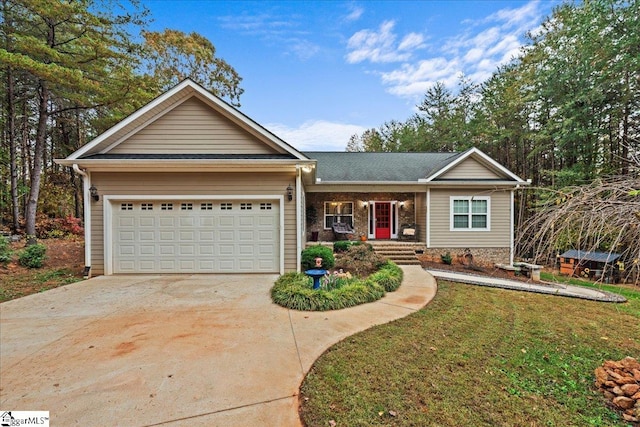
337, 212
470, 213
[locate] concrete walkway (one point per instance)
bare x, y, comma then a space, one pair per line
175, 350
542, 288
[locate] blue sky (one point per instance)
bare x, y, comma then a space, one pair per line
317, 72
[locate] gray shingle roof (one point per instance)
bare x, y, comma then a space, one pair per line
189, 156
590, 256
378, 167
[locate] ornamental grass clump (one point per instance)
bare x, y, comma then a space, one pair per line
334, 281
389, 276
337, 291
295, 291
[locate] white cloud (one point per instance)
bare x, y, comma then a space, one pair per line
519, 17
411, 41
412, 80
507, 44
473, 55
286, 32
484, 45
264, 25
316, 135
303, 49
354, 14
380, 46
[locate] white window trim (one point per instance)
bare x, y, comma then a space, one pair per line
469, 198
325, 215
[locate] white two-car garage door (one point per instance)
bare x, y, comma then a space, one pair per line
199, 236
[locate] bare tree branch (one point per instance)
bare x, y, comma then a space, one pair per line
603, 216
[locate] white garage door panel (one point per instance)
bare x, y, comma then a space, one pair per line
196, 236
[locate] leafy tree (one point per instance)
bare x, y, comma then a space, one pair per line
584, 71
171, 56
70, 71
69, 57
370, 140
438, 107
502, 122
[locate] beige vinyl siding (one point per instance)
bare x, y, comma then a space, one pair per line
421, 216
192, 128
498, 237
139, 121
185, 184
470, 169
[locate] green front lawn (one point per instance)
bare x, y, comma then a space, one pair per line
477, 356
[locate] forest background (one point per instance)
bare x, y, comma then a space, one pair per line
565, 114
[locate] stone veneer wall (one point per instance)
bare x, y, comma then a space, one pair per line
360, 218
481, 256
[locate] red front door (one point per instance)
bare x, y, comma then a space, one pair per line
383, 220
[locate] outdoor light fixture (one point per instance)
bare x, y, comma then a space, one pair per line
401, 205
365, 205
93, 192
289, 192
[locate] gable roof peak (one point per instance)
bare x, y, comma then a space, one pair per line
167, 101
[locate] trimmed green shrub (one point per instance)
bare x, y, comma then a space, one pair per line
295, 291
5, 250
310, 254
446, 258
389, 276
340, 246
33, 256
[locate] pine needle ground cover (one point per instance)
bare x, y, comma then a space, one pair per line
476, 356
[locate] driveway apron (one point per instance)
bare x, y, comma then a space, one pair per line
173, 349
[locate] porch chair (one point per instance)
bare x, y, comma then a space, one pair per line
342, 230
409, 232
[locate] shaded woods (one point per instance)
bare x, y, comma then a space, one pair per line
70, 70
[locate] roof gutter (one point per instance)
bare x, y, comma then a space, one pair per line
86, 184
472, 183
176, 165
421, 182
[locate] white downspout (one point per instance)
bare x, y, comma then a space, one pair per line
428, 218
512, 236
86, 184
299, 219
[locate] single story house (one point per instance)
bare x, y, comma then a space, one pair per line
189, 184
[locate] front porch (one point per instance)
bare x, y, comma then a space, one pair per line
370, 216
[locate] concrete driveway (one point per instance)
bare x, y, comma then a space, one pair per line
174, 350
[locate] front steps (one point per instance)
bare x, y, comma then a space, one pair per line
399, 252
402, 253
